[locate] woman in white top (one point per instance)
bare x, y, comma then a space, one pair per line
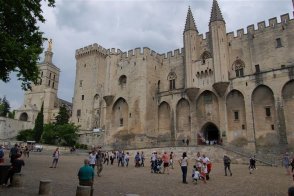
184, 166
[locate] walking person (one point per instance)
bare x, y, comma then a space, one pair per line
184, 166
99, 162
227, 164
13, 153
137, 160
111, 157
286, 162
252, 164
142, 159
120, 159
1, 154
55, 156
106, 158
153, 159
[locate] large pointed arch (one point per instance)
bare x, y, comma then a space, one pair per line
207, 107
164, 120
236, 115
288, 103
120, 113
264, 113
183, 119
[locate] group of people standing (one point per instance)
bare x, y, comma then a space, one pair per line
161, 164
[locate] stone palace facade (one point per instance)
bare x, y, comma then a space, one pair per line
219, 87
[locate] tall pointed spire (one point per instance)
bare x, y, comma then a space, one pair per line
190, 23
216, 14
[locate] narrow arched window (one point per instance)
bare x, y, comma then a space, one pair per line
172, 80
239, 66
122, 80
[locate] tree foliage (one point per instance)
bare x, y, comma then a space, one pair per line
26, 135
63, 116
4, 107
65, 134
39, 125
20, 39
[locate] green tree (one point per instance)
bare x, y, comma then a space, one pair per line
63, 116
39, 125
20, 39
25, 135
11, 114
65, 134
4, 107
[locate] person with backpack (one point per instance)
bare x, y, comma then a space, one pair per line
227, 164
1, 154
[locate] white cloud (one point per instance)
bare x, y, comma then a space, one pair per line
126, 24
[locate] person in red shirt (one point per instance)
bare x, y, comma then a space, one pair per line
165, 159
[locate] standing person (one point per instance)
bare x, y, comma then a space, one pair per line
227, 164
99, 162
198, 161
15, 168
13, 153
142, 159
165, 159
92, 159
286, 162
127, 159
120, 159
206, 161
187, 142
1, 154
86, 175
27, 152
184, 166
55, 156
171, 162
252, 164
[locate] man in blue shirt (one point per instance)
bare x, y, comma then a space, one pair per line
86, 174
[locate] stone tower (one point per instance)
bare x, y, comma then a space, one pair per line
190, 47
43, 93
219, 48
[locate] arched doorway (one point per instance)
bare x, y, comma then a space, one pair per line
24, 117
210, 133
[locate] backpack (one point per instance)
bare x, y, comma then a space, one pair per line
1, 153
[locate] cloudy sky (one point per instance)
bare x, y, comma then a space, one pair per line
128, 24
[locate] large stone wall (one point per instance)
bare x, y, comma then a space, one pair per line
9, 128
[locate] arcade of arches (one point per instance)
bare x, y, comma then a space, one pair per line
199, 121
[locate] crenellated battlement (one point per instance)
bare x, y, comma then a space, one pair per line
273, 24
146, 52
94, 48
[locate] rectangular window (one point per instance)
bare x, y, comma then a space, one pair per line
279, 42
78, 112
49, 83
236, 115
243, 126
53, 77
41, 74
174, 84
52, 84
268, 112
50, 75
170, 85
81, 83
257, 68
273, 127
83, 97
40, 81
121, 122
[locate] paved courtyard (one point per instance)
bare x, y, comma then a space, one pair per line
121, 181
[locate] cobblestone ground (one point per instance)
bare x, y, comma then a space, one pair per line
121, 180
